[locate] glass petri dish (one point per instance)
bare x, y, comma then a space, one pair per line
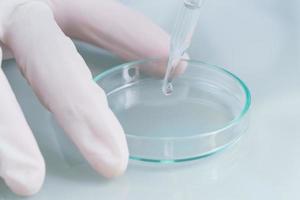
207, 111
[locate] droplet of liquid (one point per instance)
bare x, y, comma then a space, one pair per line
167, 89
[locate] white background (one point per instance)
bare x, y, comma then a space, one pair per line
258, 40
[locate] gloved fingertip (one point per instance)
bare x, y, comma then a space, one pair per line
112, 166
158, 69
26, 181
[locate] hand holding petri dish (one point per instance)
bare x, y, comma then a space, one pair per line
200, 112
169, 120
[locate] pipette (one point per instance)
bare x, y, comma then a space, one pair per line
180, 39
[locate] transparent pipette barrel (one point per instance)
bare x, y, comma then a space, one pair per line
180, 39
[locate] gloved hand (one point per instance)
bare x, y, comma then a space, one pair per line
37, 33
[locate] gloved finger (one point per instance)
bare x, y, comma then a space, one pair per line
158, 67
116, 28
21, 163
63, 83
5, 51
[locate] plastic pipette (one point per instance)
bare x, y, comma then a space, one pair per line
180, 39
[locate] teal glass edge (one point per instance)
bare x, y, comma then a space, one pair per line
173, 161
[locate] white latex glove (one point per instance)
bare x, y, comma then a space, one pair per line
35, 32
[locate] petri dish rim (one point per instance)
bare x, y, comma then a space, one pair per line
186, 159
234, 121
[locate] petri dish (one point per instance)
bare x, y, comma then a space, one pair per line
206, 112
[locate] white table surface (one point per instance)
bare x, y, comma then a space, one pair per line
258, 40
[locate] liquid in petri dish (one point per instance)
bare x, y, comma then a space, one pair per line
153, 114
175, 120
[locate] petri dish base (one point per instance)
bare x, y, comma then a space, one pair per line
206, 112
